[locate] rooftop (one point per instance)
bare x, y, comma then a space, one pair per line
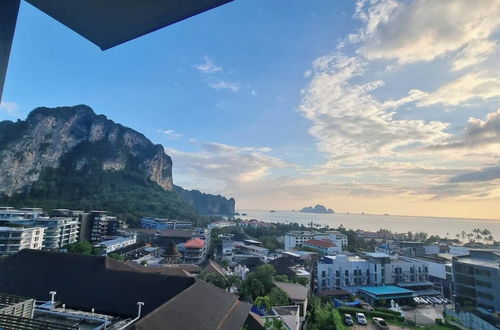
115, 241
195, 243
377, 255
293, 290
321, 243
385, 290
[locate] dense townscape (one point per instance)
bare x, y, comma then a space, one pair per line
266, 275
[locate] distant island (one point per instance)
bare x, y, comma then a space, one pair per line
317, 209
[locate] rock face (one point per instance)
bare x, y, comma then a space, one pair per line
317, 209
207, 204
72, 157
26, 147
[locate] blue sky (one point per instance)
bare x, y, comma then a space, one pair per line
360, 105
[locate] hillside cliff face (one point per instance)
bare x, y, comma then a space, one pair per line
205, 203
72, 157
49, 134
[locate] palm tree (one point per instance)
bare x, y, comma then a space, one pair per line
463, 234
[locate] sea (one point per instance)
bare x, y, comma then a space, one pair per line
444, 227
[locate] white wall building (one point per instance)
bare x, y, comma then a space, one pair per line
296, 239
14, 239
59, 231
116, 244
375, 269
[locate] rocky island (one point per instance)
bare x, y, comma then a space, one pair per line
317, 209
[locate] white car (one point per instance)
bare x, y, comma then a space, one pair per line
361, 319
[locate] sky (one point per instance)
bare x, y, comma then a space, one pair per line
376, 106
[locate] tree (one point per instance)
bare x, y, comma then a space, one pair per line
215, 279
278, 297
116, 256
80, 248
274, 323
263, 302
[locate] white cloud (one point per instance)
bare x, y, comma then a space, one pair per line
469, 87
348, 122
208, 66
422, 30
221, 84
227, 165
171, 134
10, 108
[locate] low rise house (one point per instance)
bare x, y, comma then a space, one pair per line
116, 243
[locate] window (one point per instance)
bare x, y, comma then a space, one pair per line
323, 273
485, 284
483, 272
485, 295
346, 272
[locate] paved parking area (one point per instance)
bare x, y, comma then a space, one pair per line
425, 314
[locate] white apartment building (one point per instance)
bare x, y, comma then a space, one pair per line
14, 239
339, 239
295, 239
59, 231
375, 269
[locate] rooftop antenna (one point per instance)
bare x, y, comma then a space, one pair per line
52, 295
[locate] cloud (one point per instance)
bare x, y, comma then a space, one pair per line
226, 165
423, 30
485, 174
478, 133
348, 122
10, 108
171, 134
208, 66
469, 87
221, 84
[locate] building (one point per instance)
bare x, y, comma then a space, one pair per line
477, 280
15, 238
194, 251
375, 269
295, 239
297, 294
101, 225
115, 244
440, 271
163, 224
11, 214
322, 246
373, 294
222, 224
334, 236
115, 288
83, 218
58, 231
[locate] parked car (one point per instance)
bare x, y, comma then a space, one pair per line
361, 319
380, 323
348, 319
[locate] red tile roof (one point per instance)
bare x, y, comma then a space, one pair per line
195, 243
321, 243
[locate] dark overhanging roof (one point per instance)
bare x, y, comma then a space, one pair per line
108, 23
